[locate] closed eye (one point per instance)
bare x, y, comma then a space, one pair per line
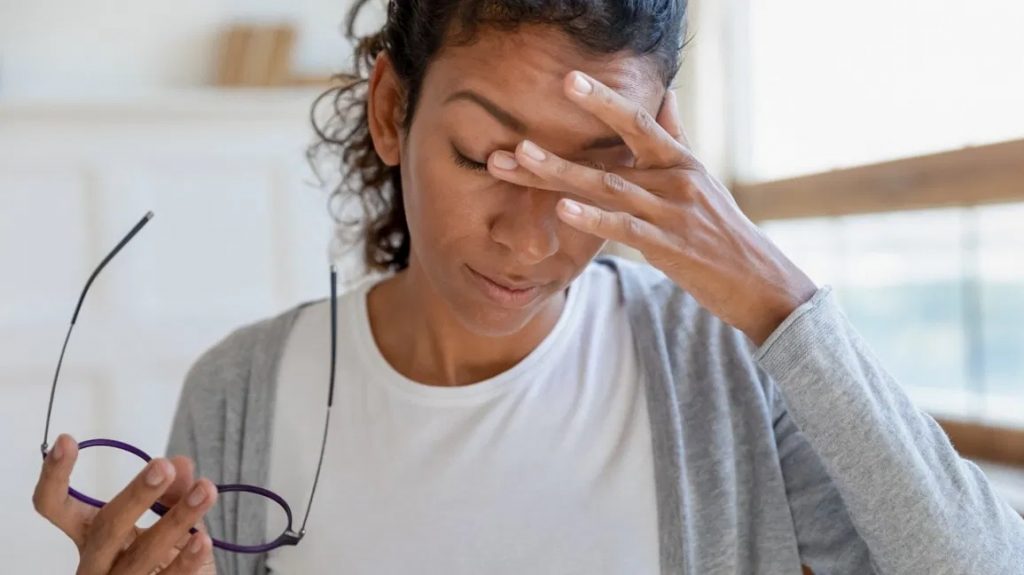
462, 161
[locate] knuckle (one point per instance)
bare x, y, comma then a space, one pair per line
187, 562
99, 532
129, 562
39, 503
614, 182
47, 509
45, 505
644, 121
691, 192
180, 518
630, 226
683, 184
561, 167
680, 178
665, 157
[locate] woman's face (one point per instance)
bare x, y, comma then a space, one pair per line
470, 230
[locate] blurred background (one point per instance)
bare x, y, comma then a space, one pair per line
880, 143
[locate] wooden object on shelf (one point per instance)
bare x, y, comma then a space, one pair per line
260, 55
280, 56
232, 47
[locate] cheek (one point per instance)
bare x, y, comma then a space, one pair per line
449, 209
578, 247
444, 203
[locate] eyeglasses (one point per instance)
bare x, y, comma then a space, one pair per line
275, 504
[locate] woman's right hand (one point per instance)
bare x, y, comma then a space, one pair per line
108, 541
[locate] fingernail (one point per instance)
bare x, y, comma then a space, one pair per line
533, 151
197, 496
156, 474
505, 161
196, 544
572, 208
581, 85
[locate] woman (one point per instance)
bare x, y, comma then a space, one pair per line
508, 404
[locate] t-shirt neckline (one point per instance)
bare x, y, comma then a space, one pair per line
515, 377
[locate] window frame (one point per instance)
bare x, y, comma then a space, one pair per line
967, 177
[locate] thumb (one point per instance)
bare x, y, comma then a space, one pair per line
669, 118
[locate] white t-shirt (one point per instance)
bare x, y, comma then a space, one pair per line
545, 468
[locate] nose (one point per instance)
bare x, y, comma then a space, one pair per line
527, 225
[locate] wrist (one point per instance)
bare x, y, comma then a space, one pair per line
773, 311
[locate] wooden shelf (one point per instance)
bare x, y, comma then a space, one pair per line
1007, 480
191, 102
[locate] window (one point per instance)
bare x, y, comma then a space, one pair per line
838, 112
939, 295
836, 84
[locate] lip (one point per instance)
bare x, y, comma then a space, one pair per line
515, 296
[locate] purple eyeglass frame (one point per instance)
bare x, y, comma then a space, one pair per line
289, 536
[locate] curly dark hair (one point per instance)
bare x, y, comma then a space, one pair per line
412, 36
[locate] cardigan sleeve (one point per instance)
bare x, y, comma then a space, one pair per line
917, 505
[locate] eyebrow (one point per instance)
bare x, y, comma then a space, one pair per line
517, 125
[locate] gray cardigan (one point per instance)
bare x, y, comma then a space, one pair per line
802, 451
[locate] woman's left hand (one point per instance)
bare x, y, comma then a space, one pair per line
667, 206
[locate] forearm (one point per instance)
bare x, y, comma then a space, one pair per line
915, 502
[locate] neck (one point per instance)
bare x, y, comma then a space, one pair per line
420, 336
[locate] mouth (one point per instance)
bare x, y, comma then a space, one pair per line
505, 292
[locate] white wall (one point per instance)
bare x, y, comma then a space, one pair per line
103, 116
71, 47
239, 234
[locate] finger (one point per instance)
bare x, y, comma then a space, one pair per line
670, 183
543, 169
51, 499
196, 553
116, 520
650, 143
158, 542
669, 118
616, 226
184, 477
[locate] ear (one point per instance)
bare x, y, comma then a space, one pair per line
385, 103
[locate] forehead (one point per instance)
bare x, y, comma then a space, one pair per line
523, 72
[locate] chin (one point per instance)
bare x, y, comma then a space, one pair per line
482, 315
487, 321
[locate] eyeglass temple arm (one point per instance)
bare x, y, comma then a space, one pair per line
330, 393
53, 388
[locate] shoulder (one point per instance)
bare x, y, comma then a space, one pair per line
244, 352
678, 334
655, 298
